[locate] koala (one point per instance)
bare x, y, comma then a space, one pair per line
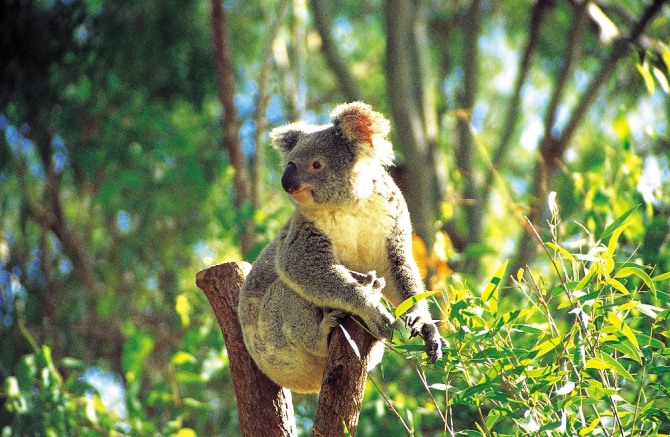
350, 217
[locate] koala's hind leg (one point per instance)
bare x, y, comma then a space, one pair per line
309, 326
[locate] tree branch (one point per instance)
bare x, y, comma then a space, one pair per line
322, 21
553, 147
537, 15
264, 408
404, 102
344, 378
619, 51
262, 106
465, 151
225, 82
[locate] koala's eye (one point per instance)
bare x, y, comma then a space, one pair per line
317, 165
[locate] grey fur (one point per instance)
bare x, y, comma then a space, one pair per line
350, 217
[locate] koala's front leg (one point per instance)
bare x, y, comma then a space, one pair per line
407, 283
306, 263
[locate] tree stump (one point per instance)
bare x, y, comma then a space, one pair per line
264, 408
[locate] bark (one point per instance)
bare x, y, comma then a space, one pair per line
225, 82
473, 206
294, 74
323, 16
344, 380
553, 147
262, 106
264, 408
405, 104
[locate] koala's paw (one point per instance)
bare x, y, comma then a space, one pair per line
433, 341
381, 324
378, 285
369, 279
333, 318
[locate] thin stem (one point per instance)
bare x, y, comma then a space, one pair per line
390, 405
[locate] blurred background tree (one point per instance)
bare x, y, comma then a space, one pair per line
134, 152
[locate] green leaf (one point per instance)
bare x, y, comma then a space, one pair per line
623, 345
562, 251
182, 357
609, 230
519, 274
643, 69
665, 55
137, 349
409, 303
489, 295
589, 429
661, 277
545, 347
623, 328
617, 286
475, 389
493, 417
611, 245
183, 308
659, 369
627, 305
616, 367
587, 278
637, 271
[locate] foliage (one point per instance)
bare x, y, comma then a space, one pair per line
585, 352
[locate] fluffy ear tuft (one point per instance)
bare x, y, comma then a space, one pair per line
285, 138
359, 123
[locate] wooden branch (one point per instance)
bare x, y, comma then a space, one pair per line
344, 380
225, 81
264, 408
322, 22
536, 20
403, 98
258, 164
554, 147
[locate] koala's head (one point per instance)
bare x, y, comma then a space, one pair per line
334, 164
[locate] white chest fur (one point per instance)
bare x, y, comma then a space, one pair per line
359, 233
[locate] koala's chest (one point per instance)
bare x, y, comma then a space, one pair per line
359, 235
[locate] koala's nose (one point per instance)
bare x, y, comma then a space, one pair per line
289, 180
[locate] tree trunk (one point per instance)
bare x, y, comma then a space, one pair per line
225, 82
473, 204
344, 379
405, 104
264, 408
258, 164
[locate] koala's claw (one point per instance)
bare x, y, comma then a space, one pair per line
382, 325
333, 318
434, 342
364, 279
431, 337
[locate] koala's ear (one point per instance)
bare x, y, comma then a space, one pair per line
285, 138
360, 124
